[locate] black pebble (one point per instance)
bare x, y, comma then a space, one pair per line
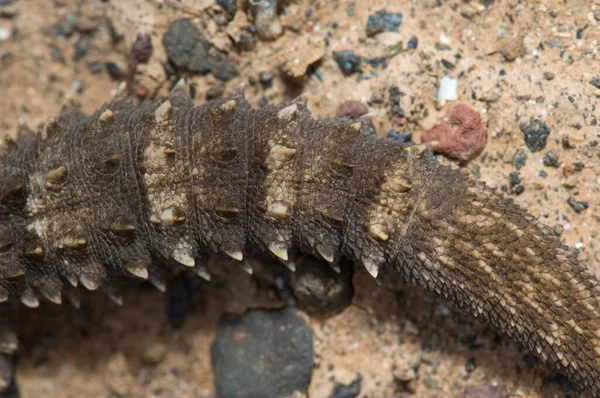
266, 78
347, 61
187, 50
57, 54
536, 134
347, 391
395, 135
576, 205
550, 159
82, 47
548, 76
230, 7
519, 159
382, 21
267, 354
413, 42
595, 82
114, 71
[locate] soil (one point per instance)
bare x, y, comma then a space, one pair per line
514, 61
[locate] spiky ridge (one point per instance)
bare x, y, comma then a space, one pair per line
133, 190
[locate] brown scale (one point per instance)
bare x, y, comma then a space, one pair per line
133, 191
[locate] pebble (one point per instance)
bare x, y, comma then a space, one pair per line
351, 390
266, 19
559, 229
319, 289
56, 54
82, 46
448, 89
536, 134
215, 92
266, 78
187, 50
154, 353
576, 205
459, 135
510, 47
548, 76
4, 34
347, 61
230, 7
595, 82
383, 21
267, 354
404, 137
412, 44
551, 159
114, 71
352, 109
519, 159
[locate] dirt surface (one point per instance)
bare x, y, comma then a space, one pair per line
513, 61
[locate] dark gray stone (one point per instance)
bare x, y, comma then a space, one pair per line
383, 21
536, 134
262, 354
187, 50
348, 62
319, 289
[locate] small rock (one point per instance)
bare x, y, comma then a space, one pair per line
319, 289
412, 44
519, 159
577, 205
548, 76
114, 71
295, 60
352, 109
266, 19
536, 134
154, 354
460, 135
266, 78
551, 159
595, 82
266, 354
559, 229
448, 89
230, 7
510, 47
347, 391
187, 50
141, 51
395, 135
57, 54
82, 46
67, 26
383, 21
347, 61
215, 92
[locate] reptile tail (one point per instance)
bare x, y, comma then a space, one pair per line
488, 256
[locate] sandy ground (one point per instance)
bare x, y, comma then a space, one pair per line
104, 350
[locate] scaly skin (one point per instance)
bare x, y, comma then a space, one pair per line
131, 191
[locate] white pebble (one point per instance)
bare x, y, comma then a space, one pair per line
448, 89
4, 34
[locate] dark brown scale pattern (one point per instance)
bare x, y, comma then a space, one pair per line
134, 190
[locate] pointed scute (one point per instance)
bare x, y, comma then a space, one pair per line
50, 128
236, 254
326, 252
163, 112
52, 292
279, 249
29, 298
371, 267
90, 281
106, 117
137, 269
